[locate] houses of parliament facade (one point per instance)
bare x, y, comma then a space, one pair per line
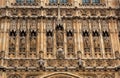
59, 38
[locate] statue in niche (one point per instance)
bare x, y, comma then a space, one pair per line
86, 43
70, 42
96, 43
41, 54
12, 44
49, 42
33, 44
59, 37
117, 54
2, 54
22, 44
21, 62
60, 53
80, 62
107, 43
41, 63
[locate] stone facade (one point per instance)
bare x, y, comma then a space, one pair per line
60, 39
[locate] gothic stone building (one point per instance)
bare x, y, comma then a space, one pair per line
59, 38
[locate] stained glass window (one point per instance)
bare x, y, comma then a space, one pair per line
85, 1
95, 1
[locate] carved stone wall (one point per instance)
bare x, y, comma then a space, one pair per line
65, 39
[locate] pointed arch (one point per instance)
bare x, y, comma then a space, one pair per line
61, 75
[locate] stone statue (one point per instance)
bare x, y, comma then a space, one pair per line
60, 53
41, 63
79, 62
86, 43
70, 43
49, 42
96, 43
107, 43
117, 54
2, 54
33, 42
59, 36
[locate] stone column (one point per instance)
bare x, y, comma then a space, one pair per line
65, 40
75, 36
112, 37
115, 37
101, 39
2, 35
91, 40
41, 36
81, 39
38, 37
54, 40
17, 37
7, 35
78, 37
28, 38
44, 38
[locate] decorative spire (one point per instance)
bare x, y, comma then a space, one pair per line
59, 16
7, 2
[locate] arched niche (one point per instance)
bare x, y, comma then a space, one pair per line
14, 76
61, 75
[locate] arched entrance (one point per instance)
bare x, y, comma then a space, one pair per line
61, 75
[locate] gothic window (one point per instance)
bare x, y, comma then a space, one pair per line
70, 44
96, 36
22, 34
19, 1
33, 36
59, 35
49, 35
96, 41
86, 36
106, 36
12, 36
30, 1
95, 1
53, 1
70, 38
86, 41
63, 1
85, 1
